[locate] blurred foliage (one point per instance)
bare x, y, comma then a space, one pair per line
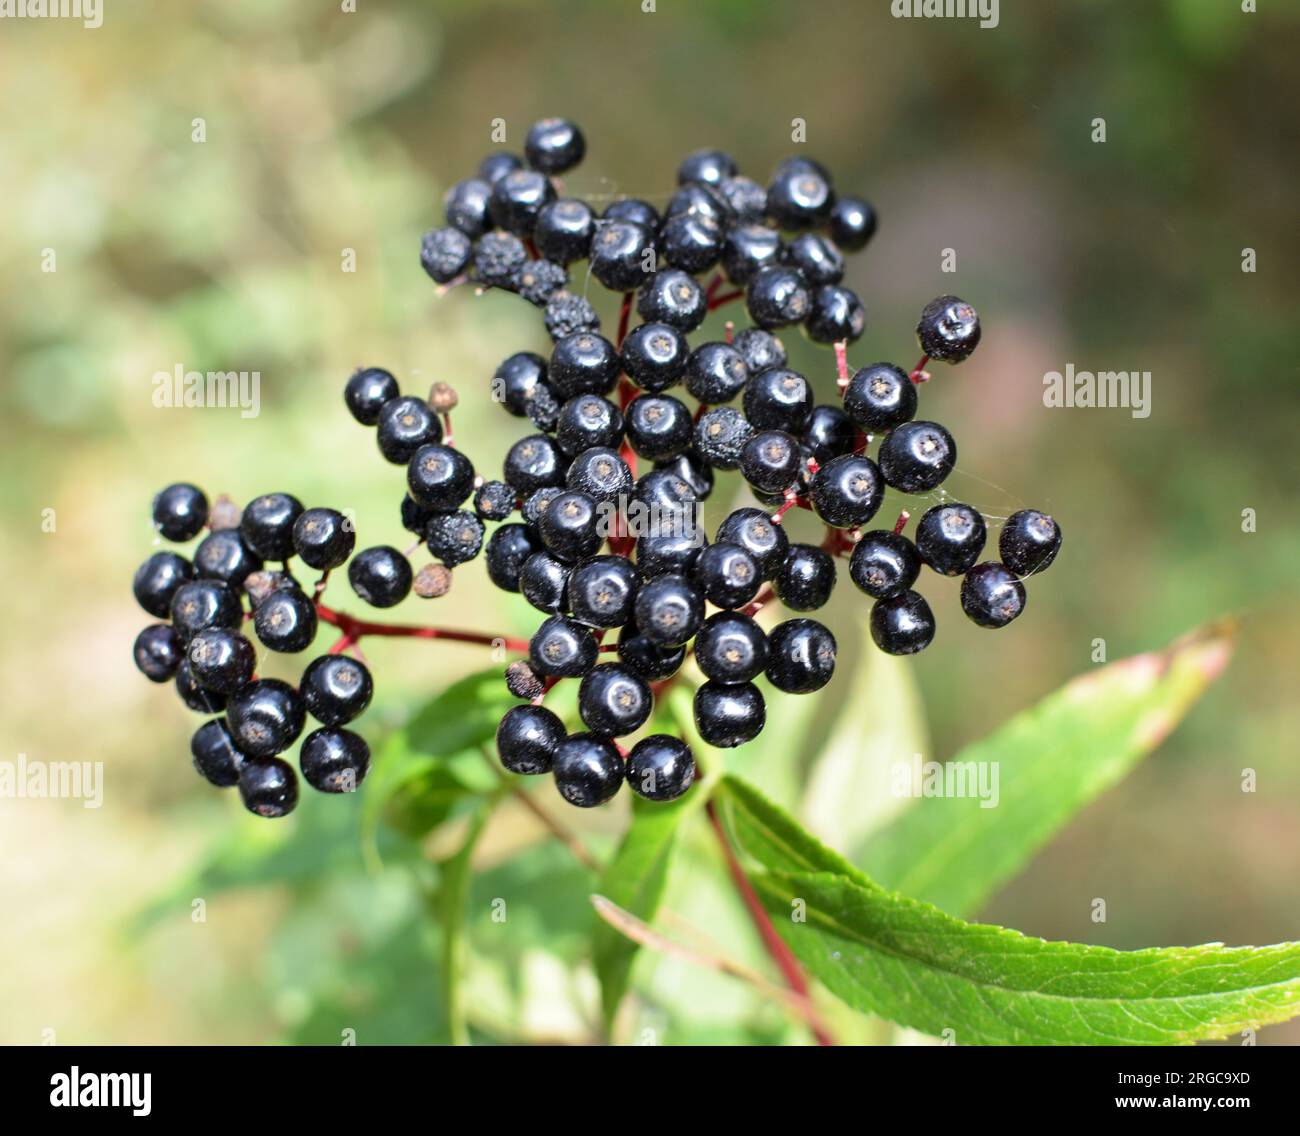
329, 131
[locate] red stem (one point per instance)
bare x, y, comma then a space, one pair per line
624, 317
903, 518
774, 944
842, 364
726, 298
354, 629
918, 374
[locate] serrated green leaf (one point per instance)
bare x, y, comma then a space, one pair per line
1051, 760
909, 962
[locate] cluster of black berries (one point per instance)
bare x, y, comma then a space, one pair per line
600, 549
201, 645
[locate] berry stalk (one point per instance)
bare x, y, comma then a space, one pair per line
355, 629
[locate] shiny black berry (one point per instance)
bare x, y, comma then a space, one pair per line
465, 206
600, 473
544, 582
837, 314
335, 689
654, 356
847, 490
439, 477
221, 659
902, 624
949, 329
727, 575
562, 647
728, 715
829, 433
445, 254
286, 621
537, 502
632, 209
720, 436
201, 604
709, 167
884, 564
1029, 541
806, 578
404, 425
517, 379
692, 470
778, 399
659, 426
673, 545
215, 755
554, 145
223, 555
622, 255
651, 661
588, 420
517, 199
777, 297
367, 391
157, 652
334, 760
817, 257
669, 609
268, 787
715, 373
564, 230
746, 199
455, 537
588, 770
585, 363
532, 463
801, 656
195, 696
697, 200
691, 241
799, 196
731, 648
760, 349
613, 700
493, 501
950, 538
571, 526
853, 222
323, 538
992, 595
496, 165
917, 456
157, 580
660, 768
381, 575
527, 738
880, 397
507, 550
754, 531
180, 511
665, 490
770, 461
265, 717
602, 591
747, 250
673, 297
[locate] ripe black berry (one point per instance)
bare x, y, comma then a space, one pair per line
335, 689
614, 701
533, 463
404, 425
728, 715
600, 473
731, 648
498, 257
265, 717
562, 647
268, 787
554, 145
622, 255
992, 595
691, 241
439, 477
902, 624
201, 604
496, 165
632, 209
602, 591
157, 652
747, 250
224, 556
696, 200
381, 575
180, 511
221, 659
215, 755
527, 738
746, 199
465, 206
950, 538
884, 564
507, 549
286, 621
727, 575
654, 356
837, 313
660, 768
585, 363
537, 502
806, 578
853, 221
669, 609
445, 254
567, 314
770, 461
801, 656
195, 696
709, 167
847, 490
323, 538
1029, 542
564, 230
588, 770
454, 538
817, 257
157, 581
760, 349
665, 490
715, 373
333, 760
799, 196
829, 433
949, 329
670, 548
367, 391
493, 501
778, 399
880, 397
720, 436
659, 426
588, 420
570, 526
778, 297
672, 297
517, 199
693, 471
516, 380
917, 456
651, 661
754, 531
544, 582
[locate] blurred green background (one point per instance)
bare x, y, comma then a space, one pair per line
328, 131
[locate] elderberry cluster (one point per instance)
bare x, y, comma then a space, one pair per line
206, 598
599, 549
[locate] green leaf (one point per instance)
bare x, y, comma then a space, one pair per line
1051, 761
909, 962
634, 879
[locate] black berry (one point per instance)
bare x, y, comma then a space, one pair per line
454, 538
778, 399
517, 199
614, 701
584, 363
602, 591
201, 604
445, 254
180, 511
404, 425
950, 538
1029, 542
654, 356
588, 770
949, 329
853, 222
777, 297
157, 652
754, 531
880, 397
215, 755
507, 550
720, 436
659, 426
221, 659
265, 717
268, 787
847, 490
806, 578
884, 564
335, 689
917, 456
801, 656
157, 581
727, 575
673, 297
334, 760
564, 230
715, 373
527, 738
554, 145
660, 768
902, 624
286, 621
622, 255
544, 582
731, 648
381, 575
669, 609
992, 595
323, 538
728, 715
562, 647
367, 391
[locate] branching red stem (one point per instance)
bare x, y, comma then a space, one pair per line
354, 629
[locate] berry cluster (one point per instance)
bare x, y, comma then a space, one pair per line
599, 549
205, 600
